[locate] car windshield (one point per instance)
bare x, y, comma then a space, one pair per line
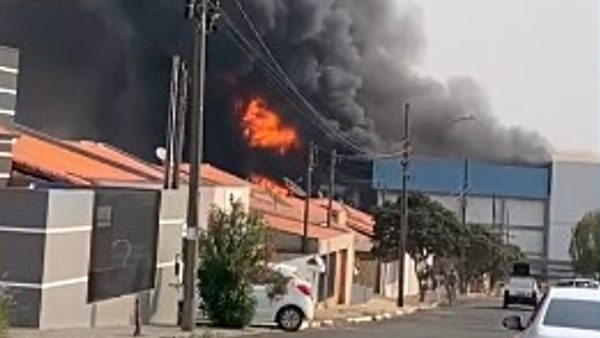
576, 314
521, 282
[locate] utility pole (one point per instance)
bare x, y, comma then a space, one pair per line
179, 137
171, 123
463, 199
204, 12
331, 187
463, 219
507, 225
494, 212
308, 187
405, 162
330, 215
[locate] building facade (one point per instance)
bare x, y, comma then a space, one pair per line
534, 207
575, 192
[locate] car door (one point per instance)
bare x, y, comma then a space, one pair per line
263, 304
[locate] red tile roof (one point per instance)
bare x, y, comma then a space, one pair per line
40, 155
295, 227
214, 175
357, 220
286, 213
92, 163
87, 163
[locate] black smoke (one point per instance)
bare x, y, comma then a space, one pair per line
99, 69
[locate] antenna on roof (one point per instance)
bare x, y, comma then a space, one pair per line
294, 188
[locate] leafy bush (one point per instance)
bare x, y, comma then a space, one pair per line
232, 253
585, 245
275, 281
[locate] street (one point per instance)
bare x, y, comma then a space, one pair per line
477, 319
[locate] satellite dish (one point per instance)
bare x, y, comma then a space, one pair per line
161, 153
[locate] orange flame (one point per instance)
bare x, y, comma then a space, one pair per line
263, 128
270, 185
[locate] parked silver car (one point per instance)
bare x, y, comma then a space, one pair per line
563, 313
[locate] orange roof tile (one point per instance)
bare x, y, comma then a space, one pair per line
286, 213
89, 163
39, 154
92, 163
296, 227
214, 175
112, 154
357, 219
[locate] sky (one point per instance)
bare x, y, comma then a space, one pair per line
536, 59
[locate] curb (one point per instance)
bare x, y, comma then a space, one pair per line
372, 318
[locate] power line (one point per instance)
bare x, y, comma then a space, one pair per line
273, 81
343, 138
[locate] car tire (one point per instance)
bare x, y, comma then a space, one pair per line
506, 301
290, 318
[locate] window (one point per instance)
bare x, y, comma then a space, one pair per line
576, 314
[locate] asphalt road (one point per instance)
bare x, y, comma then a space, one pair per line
474, 319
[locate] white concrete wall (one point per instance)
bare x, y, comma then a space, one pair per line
389, 278
221, 197
525, 213
575, 191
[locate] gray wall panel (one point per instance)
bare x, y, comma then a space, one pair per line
8, 101
6, 120
5, 164
21, 257
26, 312
23, 208
8, 80
9, 57
5, 147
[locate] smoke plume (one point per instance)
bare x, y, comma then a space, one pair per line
99, 69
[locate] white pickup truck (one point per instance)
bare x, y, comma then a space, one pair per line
521, 290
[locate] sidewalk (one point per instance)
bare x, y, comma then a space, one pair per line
147, 332
377, 309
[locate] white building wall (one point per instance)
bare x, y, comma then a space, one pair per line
221, 197
525, 213
525, 218
575, 191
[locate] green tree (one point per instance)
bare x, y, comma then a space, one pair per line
585, 249
433, 231
233, 253
486, 253
480, 252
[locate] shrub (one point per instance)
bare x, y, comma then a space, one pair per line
232, 254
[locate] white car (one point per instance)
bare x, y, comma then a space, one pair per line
291, 309
563, 313
578, 283
521, 290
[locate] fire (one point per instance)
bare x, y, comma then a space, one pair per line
270, 185
263, 128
